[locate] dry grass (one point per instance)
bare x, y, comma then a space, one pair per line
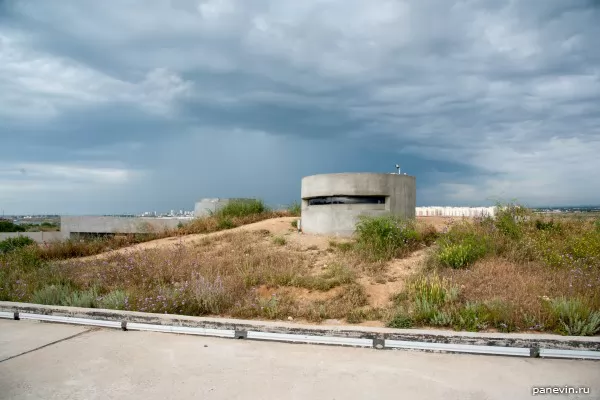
532, 275
524, 289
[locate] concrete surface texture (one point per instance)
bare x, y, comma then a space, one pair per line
112, 364
399, 192
435, 211
39, 237
206, 207
72, 225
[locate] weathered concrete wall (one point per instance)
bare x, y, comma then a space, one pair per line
340, 219
206, 207
456, 211
39, 237
89, 224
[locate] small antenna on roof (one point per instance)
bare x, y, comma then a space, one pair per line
398, 168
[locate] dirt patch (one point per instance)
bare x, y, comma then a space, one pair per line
398, 271
273, 226
441, 223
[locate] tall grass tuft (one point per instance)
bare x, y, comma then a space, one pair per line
242, 208
385, 237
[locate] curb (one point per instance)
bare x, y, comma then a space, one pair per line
520, 345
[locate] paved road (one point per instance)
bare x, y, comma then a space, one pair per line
82, 363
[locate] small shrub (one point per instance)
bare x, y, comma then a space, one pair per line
574, 317
385, 237
225, 223
294, 224
433, 290
54, 295
295, 209
441, 318
547, 225
473, 317
8, 226
458, 255
11, 244
115, 300
85, 299
510, 220
242, 208
211, 297
279, 240
401, 321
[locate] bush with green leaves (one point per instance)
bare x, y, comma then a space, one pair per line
8, 226
511, 219
64, 295
11, 244
241, 208
401, 321
574, 317
115, 300
385, 237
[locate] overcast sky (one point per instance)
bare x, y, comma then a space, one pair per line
131, 105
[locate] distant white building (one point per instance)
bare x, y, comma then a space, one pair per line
436, 211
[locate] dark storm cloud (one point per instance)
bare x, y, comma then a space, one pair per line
151, 104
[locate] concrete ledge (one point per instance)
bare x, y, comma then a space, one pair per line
380, 338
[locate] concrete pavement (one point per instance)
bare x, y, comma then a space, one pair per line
82, 363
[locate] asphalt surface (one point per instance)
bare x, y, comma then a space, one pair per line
53, 361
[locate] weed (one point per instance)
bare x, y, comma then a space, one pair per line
385, 237
473, 317
279, 240
52, 295
294, 223
11, 244
242, 208
458, 255
225, 223
574, 317
295, 209
115, 300
441, 318
401, 321
334, 275
85, 299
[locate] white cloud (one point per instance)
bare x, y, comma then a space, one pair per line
505, 91
39, 84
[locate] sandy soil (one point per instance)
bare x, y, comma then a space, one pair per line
379, 289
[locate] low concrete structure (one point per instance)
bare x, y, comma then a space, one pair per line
332, 203
72, 227
208, 206
39, 237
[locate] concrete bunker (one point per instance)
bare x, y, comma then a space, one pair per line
333, 203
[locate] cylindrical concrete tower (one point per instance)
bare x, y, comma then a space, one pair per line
332, 203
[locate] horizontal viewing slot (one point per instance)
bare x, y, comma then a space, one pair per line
317, 201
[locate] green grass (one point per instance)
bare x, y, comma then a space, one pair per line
385, 237
242, 208
574, 317
11, 244
295, 209
115, 300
